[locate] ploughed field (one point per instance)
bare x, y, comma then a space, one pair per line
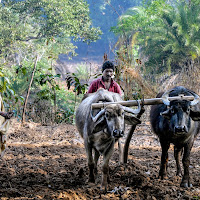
49, 162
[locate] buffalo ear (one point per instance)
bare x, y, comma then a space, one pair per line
99, 125
195, 115
131, 119
166, 114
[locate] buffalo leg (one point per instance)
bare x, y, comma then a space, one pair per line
105, 167
120, 151
186, 162
164, 160
96, 158
91, 164
177, 155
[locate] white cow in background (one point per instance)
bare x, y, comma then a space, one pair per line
4, 125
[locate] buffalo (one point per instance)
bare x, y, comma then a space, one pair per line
176, 122
100, 129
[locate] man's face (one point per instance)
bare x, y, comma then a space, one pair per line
107, 74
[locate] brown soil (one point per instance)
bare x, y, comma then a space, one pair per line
49, 162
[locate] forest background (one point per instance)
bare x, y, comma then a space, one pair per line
50, 51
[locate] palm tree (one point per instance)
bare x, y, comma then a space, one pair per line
173, 42
168, 36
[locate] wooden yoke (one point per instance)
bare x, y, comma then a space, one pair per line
145, 101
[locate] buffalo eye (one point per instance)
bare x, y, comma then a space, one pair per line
188, 110
107, 115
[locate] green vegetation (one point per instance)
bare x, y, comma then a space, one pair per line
156, 38
168, 36
42, 29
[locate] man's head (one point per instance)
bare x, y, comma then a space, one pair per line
108, 70
108, 65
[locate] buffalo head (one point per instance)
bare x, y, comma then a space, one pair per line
113, 118
180, 113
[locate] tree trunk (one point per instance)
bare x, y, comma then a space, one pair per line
28, 92
54, 101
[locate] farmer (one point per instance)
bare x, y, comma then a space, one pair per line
106, 81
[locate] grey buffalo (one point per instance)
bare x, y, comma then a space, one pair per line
100, 129
176, 122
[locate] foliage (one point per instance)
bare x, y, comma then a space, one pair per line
176, 38
168, 34
44, 29
73, 80
171, 31
49, 20
82, 72
66, 105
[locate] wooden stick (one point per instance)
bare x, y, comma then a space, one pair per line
146, 101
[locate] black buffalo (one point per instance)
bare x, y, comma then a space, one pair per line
176, 122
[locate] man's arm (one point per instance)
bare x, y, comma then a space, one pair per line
118, 89
93, 87
90, 90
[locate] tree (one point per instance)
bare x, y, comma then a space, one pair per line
44, 28
28, 91
168, 35
45, 21
174, 36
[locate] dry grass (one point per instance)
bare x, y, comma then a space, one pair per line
135, 75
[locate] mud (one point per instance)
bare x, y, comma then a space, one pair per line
49, 162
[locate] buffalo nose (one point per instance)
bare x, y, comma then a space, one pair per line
180, 129
118, 133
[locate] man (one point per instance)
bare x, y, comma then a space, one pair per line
106, 80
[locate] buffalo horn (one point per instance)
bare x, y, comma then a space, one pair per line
165, 98
94, 119
192, 103
196, 98
133, 111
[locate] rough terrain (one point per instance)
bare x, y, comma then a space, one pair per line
49, 162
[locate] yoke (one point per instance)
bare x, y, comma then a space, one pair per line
145, 101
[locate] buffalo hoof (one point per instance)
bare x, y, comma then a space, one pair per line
103, 189
186, 185
163, 177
